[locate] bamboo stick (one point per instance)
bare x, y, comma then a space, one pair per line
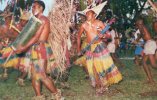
16, 29
60, 17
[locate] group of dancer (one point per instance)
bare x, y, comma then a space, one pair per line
98, 60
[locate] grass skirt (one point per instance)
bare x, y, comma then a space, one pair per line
23, 61
99, 63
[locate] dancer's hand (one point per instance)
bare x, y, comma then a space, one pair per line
100, 35
79, 54
20, 50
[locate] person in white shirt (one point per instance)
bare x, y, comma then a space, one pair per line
112, 45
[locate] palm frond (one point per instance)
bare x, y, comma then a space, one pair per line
60, 17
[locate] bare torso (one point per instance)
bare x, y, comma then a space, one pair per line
92, 29
5, 30
41, 34
46, 29
145, 33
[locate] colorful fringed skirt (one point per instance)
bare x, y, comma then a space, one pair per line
34, 57
100, 66
13, 60
16, 61
42, 60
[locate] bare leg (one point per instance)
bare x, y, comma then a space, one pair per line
136, 60
24, 74
36, 85
42, 77
152, 61
86, 71
99, 87
20, 80
5, 75
49, 84
47, 81
97, 79
113, 57
156, 55
147, 69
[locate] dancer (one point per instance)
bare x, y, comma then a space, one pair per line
149, 49
100, 66
39, 51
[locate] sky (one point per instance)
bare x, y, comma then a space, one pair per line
3, 4
48, 4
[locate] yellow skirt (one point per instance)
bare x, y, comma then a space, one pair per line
12, 61
100, 63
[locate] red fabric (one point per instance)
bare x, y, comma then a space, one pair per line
42, 51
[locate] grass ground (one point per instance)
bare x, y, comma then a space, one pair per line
129, 88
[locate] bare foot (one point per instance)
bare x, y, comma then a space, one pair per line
4, 76
105, 89
20, 82
57, 96
65, 85
100, 91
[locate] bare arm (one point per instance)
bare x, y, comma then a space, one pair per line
143, 30
102, 26
155, 26
79, 38
12, 34
3, 31
33, 40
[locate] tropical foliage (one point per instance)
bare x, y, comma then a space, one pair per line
126, 11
